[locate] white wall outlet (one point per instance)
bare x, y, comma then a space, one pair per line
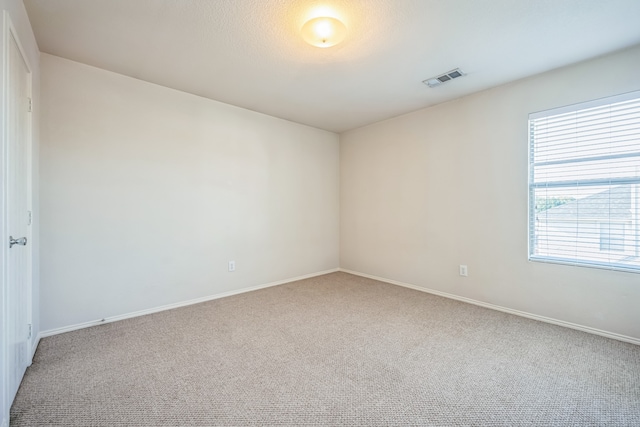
232, 266
464, 271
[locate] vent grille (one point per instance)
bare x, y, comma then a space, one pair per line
443, 78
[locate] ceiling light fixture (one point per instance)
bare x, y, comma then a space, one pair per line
323, 31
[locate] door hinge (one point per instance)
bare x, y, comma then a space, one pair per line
30, 105
29, 332
29, 217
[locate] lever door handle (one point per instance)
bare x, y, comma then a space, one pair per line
21, 241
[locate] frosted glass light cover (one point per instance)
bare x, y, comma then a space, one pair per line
324, 32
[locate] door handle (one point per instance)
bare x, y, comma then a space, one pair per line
21, 241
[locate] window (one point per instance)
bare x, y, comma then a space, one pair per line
612, 236
584, 184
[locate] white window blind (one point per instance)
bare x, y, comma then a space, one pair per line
584, 184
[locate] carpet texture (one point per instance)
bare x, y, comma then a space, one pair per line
332, 350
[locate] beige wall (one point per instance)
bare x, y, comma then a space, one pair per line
148, 192
447, 185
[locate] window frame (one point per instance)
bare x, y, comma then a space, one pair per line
532, 237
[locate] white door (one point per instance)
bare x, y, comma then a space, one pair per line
18, 216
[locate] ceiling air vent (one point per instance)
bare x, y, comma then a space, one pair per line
443, 78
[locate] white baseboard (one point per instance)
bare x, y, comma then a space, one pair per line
34, 347
588, 329
75, 327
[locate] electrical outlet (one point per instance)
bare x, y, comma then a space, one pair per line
232, 266
464, 271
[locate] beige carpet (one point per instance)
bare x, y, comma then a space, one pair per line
332, 350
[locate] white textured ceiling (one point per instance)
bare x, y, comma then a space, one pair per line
250, 53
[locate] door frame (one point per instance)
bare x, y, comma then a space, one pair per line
8, 32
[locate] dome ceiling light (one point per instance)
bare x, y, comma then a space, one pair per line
324, 31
